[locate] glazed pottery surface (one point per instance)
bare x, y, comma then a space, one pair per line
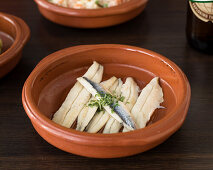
91, 18
49, 83
14, 33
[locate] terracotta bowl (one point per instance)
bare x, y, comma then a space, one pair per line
91, 18
48, 84
14, 33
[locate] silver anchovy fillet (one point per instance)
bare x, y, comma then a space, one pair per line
119, 110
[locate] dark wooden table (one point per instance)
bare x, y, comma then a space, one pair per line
161, 28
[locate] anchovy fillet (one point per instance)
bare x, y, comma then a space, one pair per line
149, 100
85, 117
94, 121
112, 124
95, 125
94, 128
134, 89
81, 101
130, 91
59, 116
120, 113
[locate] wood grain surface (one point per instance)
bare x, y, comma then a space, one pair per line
161, 28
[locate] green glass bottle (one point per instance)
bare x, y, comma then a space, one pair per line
199, 27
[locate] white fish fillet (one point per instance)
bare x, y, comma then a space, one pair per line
113, 87
109, 110
85, 118
133, 94
130, 91
94, 121
132, 98
98, 125
149, 100
116, 126
108, 125
110, 83
81, 101
118, 89
112, 123
125, 89
72, 95
94, 127
82, 115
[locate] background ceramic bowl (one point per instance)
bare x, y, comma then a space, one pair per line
91, 18
48, 84
14, 33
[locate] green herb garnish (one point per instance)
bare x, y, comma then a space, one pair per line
106, 99
121, 98
105, 5
101, 5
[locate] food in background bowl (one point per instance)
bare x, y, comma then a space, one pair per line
87, 4
91, 18
111, 103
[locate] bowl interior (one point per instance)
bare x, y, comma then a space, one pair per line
7, 32
58, 72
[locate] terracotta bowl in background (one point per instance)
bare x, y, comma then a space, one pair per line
91, 18
48, 84
14, 33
